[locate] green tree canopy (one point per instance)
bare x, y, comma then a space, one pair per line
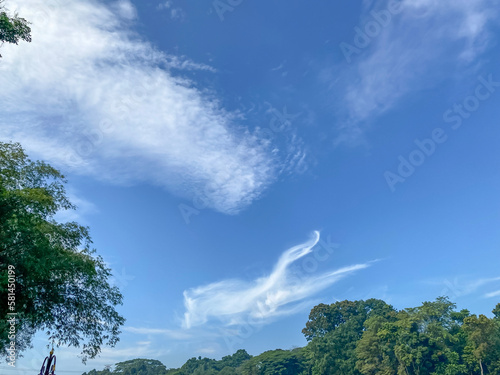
431, 339
234, 360
228, 365
60, 286
326, 318
14, 28
482, 351
276, 362
140, 366
334, 331
371, 338
496, 312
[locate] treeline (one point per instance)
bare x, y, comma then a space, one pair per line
364, 338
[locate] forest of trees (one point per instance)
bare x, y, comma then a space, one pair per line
363, 337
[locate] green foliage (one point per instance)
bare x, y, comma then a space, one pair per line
228, 365
234, 360
137, 366
496, 312
334, 330
482, 351
13, 29
431, 339
60, 287
276, 362
326, 318
140, 367
95, 372
371, 337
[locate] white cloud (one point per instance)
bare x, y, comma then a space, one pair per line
176, 13
460, 286
165, 5
88, 96
126, 9
83, 209
492, 294
411, 51
207, 350
280, 293
179, 335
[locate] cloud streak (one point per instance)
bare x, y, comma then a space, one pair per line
492, 294
280, 293
89, 96
416, 49
178, 335
458, 287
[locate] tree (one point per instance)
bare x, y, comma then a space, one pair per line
334, 330
13, 29
276, 362
496, 312
483, 342
375, 350
140, 366
423, 340
60, 287
95, 372
234, 360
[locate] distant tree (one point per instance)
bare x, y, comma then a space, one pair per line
13, 28
95, 372
140, 366
423, 340
483, 343
60, 287
372, 338
334, 330
276, 362
496, 312
228, 371
375, 350
234, 360
199, 366
326, 318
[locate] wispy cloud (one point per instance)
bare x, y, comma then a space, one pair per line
83, 208
125, 9
460, 286
492, 294
179, 335
410, 50
176, 13
90, 96
280, 293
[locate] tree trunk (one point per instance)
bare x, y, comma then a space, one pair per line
481, 365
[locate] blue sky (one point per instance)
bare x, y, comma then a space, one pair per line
239, 162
